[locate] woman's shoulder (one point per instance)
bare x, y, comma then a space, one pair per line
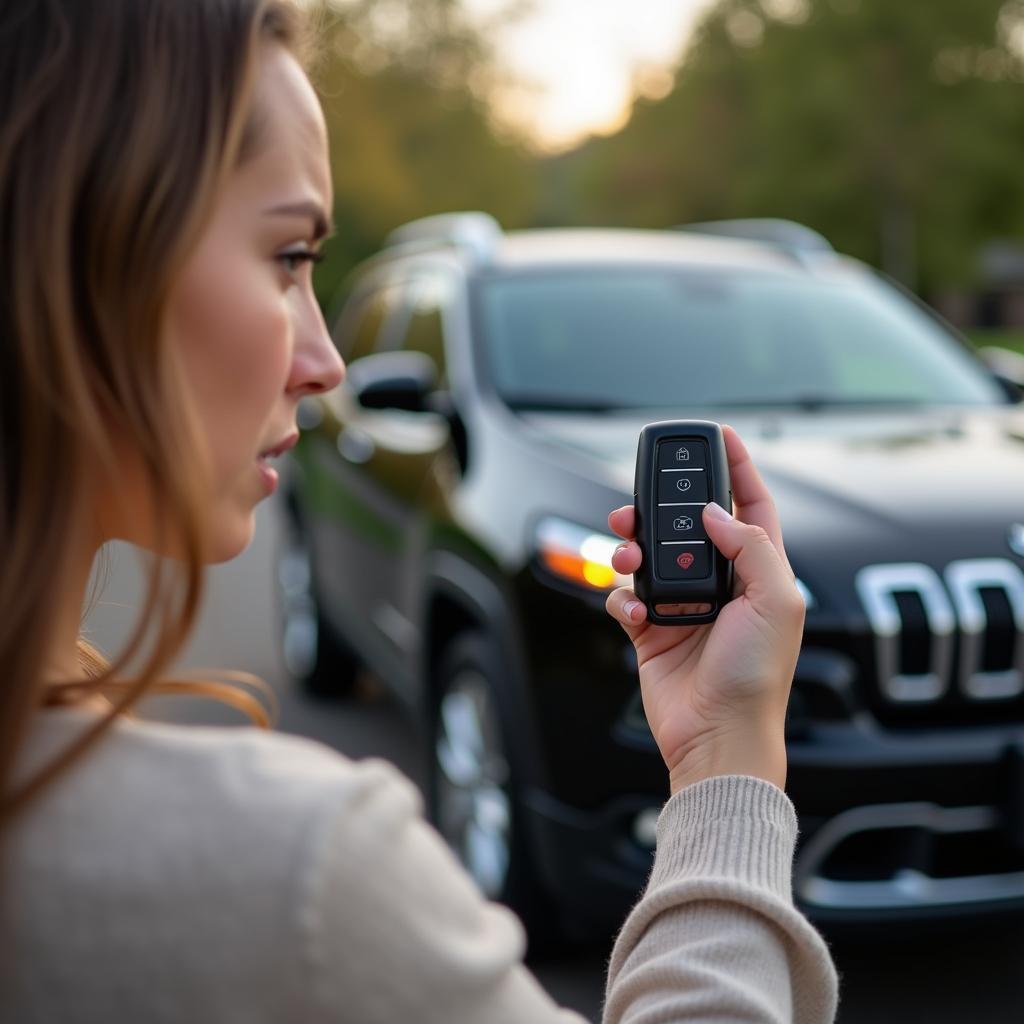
200, 847
215, 784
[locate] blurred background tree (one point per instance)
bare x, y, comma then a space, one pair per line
894, 127
405, 86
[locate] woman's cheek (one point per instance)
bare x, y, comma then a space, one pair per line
267, 338
277, 352
271, 361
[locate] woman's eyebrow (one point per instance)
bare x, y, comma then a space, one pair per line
322, 226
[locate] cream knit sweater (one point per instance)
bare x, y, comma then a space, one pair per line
190, 874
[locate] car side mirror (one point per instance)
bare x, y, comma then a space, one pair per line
1007, 369
393, 380
1013, 391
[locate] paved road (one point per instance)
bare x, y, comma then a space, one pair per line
937, 977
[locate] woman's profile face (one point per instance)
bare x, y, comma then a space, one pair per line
243, 317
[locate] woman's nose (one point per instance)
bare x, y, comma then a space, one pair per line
316, 365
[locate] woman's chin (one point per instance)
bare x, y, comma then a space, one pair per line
231, 540
229, 531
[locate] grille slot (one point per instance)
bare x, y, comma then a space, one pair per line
946, 639
1001, 635
915, 635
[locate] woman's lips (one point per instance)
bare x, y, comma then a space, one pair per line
282, 446
268, 474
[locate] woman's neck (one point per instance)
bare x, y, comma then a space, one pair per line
64, 664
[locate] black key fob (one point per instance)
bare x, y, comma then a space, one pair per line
681, 465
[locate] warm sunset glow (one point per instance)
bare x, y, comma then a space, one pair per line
584, 61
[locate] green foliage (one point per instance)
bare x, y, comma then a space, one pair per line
895, 128
402, 84
1013, 340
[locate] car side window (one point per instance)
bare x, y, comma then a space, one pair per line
430, 294
369, 322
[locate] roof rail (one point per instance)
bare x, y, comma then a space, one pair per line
471, 230
796, 239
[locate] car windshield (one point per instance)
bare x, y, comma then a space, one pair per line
604, 339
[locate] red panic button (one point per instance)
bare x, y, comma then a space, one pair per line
689, 561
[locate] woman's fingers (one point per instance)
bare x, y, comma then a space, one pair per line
623, 606
759, 564
626, 558
623, 521
754, 503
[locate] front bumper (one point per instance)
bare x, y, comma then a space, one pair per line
895, 823
876, 845
908, 825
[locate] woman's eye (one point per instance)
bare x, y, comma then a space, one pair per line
295, 258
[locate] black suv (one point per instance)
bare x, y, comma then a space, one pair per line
448, 530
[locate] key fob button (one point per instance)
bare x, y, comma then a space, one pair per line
684, 561
680, 522
682, 454
682, 485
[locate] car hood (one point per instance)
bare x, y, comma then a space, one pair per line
892, 484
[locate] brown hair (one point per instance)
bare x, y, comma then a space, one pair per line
119, 121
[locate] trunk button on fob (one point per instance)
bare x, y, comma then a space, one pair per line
680, 522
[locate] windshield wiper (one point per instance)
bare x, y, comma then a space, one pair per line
806, 403
814, 403
538, 403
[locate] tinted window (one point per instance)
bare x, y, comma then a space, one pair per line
430, 295
369, 323
660, 338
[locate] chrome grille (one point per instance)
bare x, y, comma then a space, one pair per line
955, 611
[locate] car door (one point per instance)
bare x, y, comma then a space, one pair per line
384, 457
429, 460
350, 540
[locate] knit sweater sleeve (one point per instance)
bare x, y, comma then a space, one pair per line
392, 929
395, 930
715, 935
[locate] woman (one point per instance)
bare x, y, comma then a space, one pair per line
164, 189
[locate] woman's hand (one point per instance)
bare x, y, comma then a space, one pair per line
716, 695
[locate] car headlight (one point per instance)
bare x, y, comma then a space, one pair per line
582, 556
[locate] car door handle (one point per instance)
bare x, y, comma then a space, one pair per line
355, 445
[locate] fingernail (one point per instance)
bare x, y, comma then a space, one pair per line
632, 606
717, 512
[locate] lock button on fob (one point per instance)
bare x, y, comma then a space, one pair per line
682, 455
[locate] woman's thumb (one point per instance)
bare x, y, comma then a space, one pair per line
757, 562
